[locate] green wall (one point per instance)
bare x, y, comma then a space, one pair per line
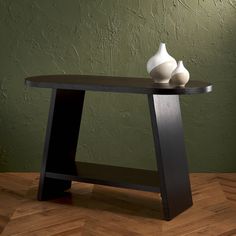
117, 37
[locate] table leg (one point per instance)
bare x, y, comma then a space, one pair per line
170, 154
61, 140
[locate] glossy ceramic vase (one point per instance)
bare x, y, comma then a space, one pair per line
180, 76
161, 65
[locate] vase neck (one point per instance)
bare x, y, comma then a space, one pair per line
180, 64
162, 48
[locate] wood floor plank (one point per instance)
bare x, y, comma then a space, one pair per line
13, 189
228, 183
95, 210
69, 227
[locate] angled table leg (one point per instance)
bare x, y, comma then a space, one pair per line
61, 140
170, 154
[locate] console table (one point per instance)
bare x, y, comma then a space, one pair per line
59, 167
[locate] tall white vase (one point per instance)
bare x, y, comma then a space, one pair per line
180, 76
161, 65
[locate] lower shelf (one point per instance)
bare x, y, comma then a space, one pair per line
140, 179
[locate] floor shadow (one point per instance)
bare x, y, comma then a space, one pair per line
115, 200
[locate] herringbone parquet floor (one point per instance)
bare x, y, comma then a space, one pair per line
94, 210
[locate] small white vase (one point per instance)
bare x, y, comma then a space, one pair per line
161, 65
180, 76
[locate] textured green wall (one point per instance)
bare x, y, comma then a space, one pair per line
116, 37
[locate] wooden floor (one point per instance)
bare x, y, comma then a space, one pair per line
94, 210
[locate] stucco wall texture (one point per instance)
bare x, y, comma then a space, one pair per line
117, 37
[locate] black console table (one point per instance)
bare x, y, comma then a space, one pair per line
59, 167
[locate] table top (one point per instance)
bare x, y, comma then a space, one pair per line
115, 84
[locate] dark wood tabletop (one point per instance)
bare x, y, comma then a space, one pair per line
115, 84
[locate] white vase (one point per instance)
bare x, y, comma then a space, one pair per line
180, 76
161, 65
